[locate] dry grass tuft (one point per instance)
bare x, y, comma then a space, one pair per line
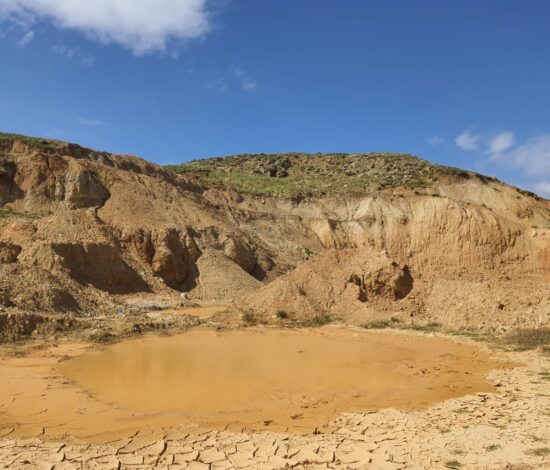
530, 338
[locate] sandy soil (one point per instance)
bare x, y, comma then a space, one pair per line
506, 429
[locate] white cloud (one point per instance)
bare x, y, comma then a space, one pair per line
529, 159
435, 140
26, 39
467, 141
245, 81
143, 26
532, 158
501, 142
542, 188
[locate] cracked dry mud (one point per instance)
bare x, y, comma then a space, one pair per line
509, 429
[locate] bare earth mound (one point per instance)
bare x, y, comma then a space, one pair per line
338, 282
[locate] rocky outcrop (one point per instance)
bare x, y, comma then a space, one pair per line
239, 252
83, 189
173, 258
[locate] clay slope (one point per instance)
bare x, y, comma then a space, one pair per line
85, 231
89, 232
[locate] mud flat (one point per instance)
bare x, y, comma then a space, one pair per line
329, 398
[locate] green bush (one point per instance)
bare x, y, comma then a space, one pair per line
250, 319
282, 314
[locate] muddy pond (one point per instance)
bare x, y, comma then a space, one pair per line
251, 378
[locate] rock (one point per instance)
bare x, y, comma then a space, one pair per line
171, 260
83, 189
240, 253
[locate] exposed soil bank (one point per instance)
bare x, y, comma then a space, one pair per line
253, 379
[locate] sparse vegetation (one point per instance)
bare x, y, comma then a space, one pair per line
429, 327
44, 144
531, 338
299, 175
100, 336
377, 324
319, 320
8, 213
282, 314
492, 447
458, 452
249, 319
453, 464
539, 452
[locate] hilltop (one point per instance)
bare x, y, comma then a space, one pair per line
321, 174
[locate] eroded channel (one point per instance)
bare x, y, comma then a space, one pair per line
254, 379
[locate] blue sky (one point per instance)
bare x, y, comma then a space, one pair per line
464, 83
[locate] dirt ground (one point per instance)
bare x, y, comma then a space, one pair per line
508, 428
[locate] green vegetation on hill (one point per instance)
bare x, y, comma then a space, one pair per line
299, 174
44, 144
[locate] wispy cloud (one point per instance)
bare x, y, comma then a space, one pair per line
218, 85
246, 82
435, 140
532, 157
144, 26
91, 122
491, 144
26, 39
73, 53
235, 77
89, 61
63, 50
467, 141
501, 142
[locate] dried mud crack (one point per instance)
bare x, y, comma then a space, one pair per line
502, 430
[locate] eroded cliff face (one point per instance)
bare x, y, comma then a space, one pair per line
102, 227
85, 231
461, 226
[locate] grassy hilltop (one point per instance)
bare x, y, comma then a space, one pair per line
294, 174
